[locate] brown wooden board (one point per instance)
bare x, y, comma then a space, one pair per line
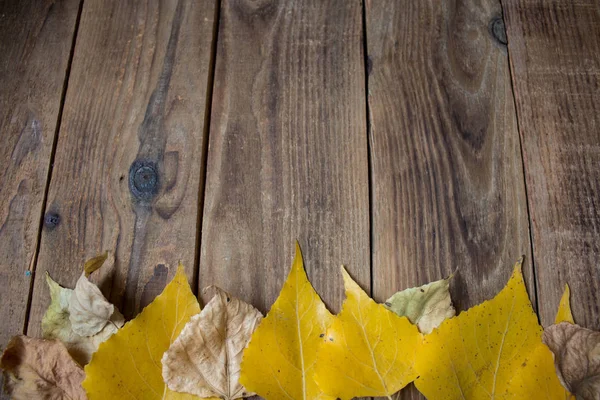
288, 150
129, 160
447, 177
555, 61
35, 46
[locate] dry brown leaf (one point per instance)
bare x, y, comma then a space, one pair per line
41, 369
205, 359
576, 357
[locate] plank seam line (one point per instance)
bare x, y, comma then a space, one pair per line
523, 167
63, 96
206, 133
368, 131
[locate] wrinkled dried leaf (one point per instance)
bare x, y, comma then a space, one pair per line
128, 365
89, 311
57, 325
426, 306
280, 359
577, 358
368, 350
477, 354
41, 369
205, 358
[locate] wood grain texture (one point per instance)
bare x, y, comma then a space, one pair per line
448, 191
129, 158
35, 45
555, 59
288, 149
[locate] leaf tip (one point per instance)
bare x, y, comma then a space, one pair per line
564, 313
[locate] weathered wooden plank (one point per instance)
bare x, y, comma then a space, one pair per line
447, 178
555, 60
35, 47
288, 149
130, 153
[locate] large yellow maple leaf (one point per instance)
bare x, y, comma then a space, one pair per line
128, 365
368, 351
492, 351
280, 359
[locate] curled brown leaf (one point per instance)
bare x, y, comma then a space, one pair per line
576, 357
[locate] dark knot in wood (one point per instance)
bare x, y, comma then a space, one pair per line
51, 220
498, 30
143, 179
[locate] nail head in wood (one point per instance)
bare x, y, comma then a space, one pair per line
51, 220
143, 179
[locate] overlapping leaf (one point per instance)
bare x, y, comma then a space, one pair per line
368, 350
280, 360
486, 352
205, 359
426, 306
41, 369
128, 365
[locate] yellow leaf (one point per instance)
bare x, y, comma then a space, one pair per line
128, 365
564, 308
280, 359
368, 350
492, 351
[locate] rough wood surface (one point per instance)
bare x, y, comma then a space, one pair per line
288, 149
555, 60
129, 158
448, 192
35, 46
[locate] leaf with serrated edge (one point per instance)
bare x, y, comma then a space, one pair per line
41, 369
368, 350
426, 306
128, 365
57, 325
280, 359
479, 353
205, 358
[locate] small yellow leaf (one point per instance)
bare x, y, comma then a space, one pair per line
128, 365
94, 263
477, 353
368, 350
279, 362
564, 313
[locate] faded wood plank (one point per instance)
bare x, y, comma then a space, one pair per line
288, 149
129, 158
35, 46
555, 59
447, 178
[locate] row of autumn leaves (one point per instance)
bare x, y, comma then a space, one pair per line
173, 350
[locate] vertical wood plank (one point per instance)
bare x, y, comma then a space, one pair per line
448, 186
129, 158
35, 47
288, 149
555, 60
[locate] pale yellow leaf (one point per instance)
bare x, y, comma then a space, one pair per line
426, 306
205, 359
368, 350
41, 369
280, 360
128, 365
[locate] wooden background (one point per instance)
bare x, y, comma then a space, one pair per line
403, 139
